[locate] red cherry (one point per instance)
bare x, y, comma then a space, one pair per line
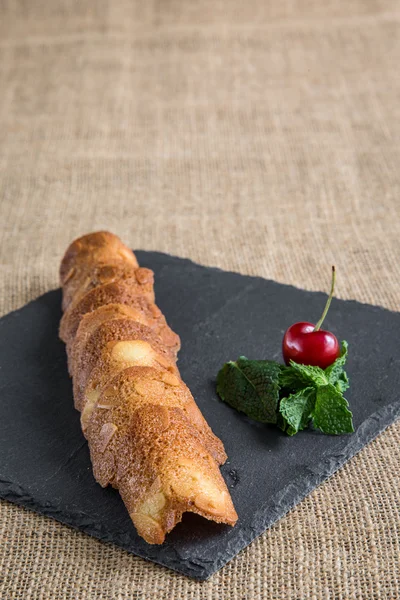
307, 344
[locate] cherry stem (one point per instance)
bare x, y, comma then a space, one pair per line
328, 302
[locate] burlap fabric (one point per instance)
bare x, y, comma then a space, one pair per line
258, 136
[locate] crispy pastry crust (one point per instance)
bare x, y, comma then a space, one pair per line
147, 437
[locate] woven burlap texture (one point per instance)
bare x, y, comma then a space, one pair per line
258, 136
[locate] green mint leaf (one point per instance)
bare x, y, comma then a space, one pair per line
305, 375
252, 387
342, 384
290, 381
334, 372
331, 413
296, 410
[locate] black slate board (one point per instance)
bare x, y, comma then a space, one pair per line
44, 459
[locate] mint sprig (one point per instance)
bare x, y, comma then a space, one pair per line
296, 410
252, 387
292, 397
331, 412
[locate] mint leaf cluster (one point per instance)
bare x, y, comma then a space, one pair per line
292, 397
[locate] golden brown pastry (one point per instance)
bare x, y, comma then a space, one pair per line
143, 312
93, 256
146, 435
135, 291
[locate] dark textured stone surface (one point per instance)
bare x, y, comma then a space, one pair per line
44, 459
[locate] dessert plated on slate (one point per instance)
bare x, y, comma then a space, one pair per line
146, 435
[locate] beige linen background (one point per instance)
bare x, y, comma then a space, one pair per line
258, 136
